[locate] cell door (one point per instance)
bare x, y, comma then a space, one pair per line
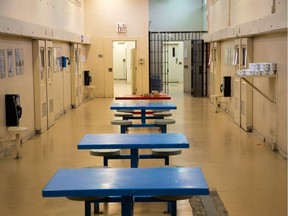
243, 93
197, 73
49, 84
133, 70
119, 60
175, 62
76, 76
42, 57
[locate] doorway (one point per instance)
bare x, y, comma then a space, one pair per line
173, 55
160, 43
43, 85
124, 67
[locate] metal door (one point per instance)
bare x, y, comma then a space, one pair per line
76, 76
199, 72
43, 85
133, 70
49, 84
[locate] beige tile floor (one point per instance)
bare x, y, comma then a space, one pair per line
250, 178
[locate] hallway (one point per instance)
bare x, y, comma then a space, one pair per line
249, 177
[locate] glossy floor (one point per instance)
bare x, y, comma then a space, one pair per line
249, 177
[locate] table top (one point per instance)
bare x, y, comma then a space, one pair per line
126, 182
144, 97
160, 105
16, 129
133, 141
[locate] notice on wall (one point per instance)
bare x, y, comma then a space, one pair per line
57, 60
19, 59
10, 62
2, 64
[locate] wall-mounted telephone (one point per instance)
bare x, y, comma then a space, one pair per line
13, 109
226, 86
65, 60
87, 78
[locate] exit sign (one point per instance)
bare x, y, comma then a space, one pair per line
121, 27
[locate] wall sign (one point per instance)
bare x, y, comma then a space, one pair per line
19, 60
121, 27
2, 64
10, 62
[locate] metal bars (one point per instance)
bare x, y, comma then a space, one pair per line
158, 56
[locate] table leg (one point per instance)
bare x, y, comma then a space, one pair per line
123, 129
127, 203
17, 130
167, 162
134, 153
163, 128
173, 208
91, 93
87, 208
96, 207
105, 161
18, 146
143, 116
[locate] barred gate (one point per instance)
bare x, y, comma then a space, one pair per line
158, 56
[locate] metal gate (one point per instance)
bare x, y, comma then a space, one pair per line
200, 55
158, 56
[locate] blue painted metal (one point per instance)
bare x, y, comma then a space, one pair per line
87, 208
127, 183
123, 129
143, 106
134, 142
127, 204
130, 141
141, 156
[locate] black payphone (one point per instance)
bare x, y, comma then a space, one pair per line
226, 86
13, 109
87, 78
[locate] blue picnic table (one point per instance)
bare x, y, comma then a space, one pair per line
127, 184
134, 142
144, 106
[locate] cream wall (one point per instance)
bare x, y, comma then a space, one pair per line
59, 21
242, 11
270, 120
101, 18
266, 22
224, 13
17, 84
50, 19
57, 14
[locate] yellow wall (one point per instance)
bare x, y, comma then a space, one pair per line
57, 15
23, 85
17, 84
224, 13
266, 24
270, 119
101, 18
20, 22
